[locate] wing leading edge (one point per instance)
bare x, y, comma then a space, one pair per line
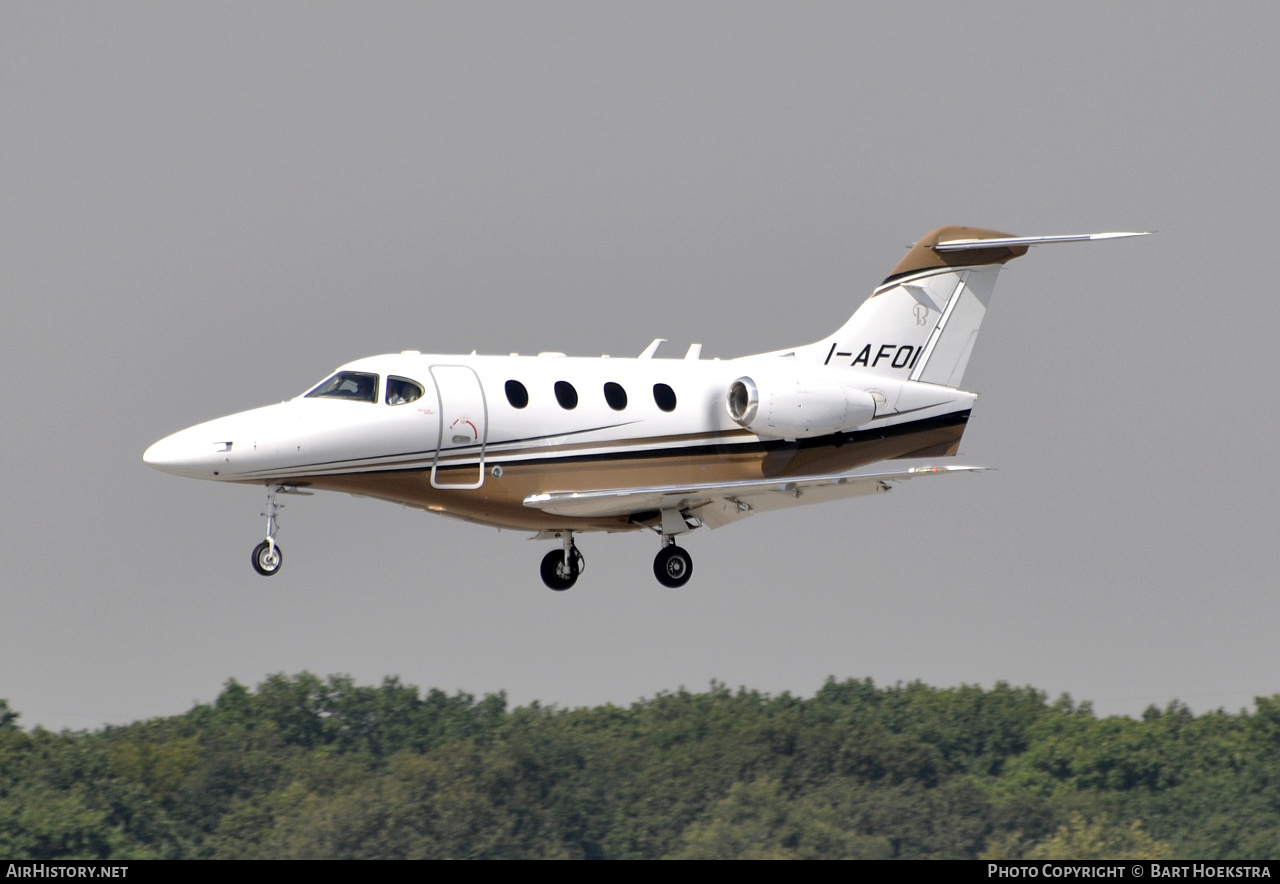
721, 504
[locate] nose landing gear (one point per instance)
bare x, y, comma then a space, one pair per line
267, 557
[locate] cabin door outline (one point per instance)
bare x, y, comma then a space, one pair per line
464, 412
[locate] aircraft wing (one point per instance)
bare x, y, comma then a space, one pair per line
718, 504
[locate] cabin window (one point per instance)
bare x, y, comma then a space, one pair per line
615, 396
517, 395
566, 395
665, 397
401, 391
358, 386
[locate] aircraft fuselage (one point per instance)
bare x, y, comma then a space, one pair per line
464, 448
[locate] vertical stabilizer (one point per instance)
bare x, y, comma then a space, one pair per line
921, 323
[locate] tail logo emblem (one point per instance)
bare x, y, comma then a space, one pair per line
921, 313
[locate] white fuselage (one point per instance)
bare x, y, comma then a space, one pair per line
464, 447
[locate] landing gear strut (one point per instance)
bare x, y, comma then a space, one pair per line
267, 557
561, 567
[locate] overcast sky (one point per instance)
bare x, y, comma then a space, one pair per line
207, 207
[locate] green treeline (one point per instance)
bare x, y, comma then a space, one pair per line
304, 767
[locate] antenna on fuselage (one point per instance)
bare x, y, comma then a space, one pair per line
648, 351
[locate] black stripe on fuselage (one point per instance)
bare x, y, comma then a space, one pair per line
957, 418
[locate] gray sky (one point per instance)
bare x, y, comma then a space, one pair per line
207, 207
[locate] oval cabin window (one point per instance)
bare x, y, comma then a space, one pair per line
665, 397
566, 395
517, 395
615, 396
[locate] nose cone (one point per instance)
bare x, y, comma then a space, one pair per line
192, 452
231, 447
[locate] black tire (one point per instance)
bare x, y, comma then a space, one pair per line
263, 562
553, 570
673, 567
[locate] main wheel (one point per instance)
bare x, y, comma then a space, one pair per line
554, 573
265, 562
673, 567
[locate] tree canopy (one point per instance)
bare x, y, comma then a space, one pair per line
309, 767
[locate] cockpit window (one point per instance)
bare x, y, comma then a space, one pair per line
355, 385
402, 390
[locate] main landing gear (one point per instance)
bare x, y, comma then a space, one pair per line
561, 567
673, 565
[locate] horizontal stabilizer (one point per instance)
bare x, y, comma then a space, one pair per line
719, 504
962, 245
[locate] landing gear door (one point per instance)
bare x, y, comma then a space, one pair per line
464, 427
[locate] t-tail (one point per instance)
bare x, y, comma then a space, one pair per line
921, 323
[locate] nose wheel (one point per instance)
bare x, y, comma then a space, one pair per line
267, 558
673, 566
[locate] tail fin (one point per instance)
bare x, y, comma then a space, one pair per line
921, 323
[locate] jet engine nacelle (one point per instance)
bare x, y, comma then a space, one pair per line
797, 404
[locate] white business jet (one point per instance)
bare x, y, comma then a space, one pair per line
561, 446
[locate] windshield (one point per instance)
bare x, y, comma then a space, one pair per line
355, 385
